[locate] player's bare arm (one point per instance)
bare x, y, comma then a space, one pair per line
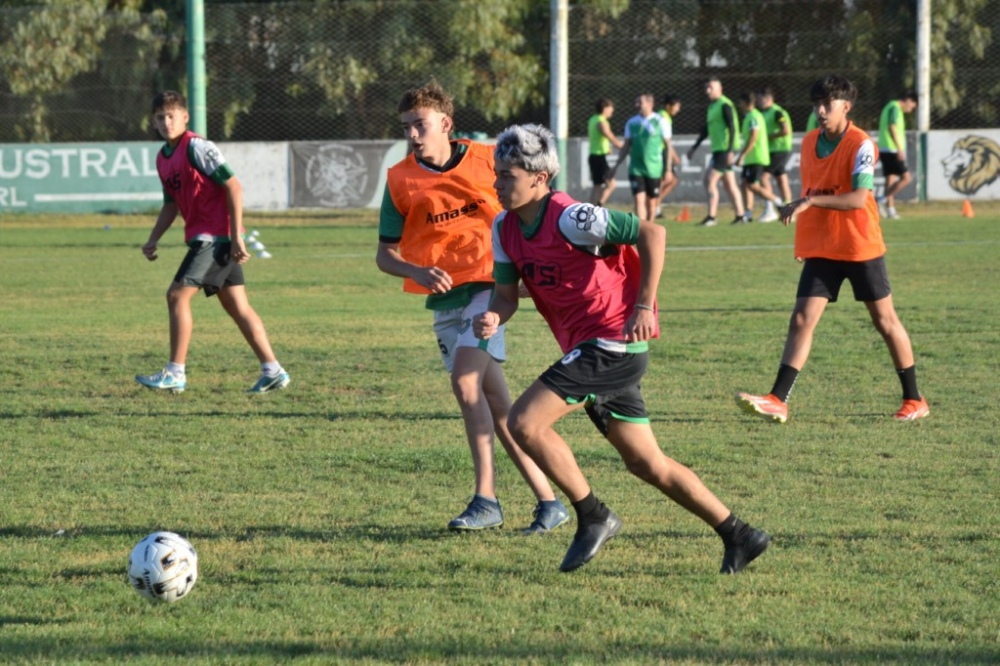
622, 154
847, 201
234, 198
900, 140
652, 246
168, 213
502, 307
751, 142
605, 128
389, 260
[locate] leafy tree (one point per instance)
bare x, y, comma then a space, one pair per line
50, 48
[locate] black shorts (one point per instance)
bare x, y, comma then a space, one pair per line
892, 165
752, 173
207, 265
651, 186
720, 159
606, 381
598, 168
823, 277
778, 162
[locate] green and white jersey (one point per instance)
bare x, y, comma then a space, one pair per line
719, 132
599, 144
759, 153
777, 119
646, 137
892, 115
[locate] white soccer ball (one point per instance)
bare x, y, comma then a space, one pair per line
163, 567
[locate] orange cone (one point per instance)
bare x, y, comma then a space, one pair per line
967, 209
685, 215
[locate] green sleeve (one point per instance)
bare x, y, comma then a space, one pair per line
863, 181
390, 220
504, 273
222, 174
623, 228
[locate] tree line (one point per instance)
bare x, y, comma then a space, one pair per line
85, 70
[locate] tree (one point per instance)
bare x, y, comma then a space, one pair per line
51, 45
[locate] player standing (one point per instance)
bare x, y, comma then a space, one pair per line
722, 130
199, 185
838, 236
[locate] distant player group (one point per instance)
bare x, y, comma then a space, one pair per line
759, 145
591, 272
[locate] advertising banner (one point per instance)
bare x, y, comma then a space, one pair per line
963, 164
79, 178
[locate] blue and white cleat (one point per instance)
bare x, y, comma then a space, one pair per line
275, 383
547, 517
481, 514
163, 381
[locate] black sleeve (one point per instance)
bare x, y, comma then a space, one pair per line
701, 137
727, 116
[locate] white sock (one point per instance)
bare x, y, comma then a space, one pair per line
768, 208
272, 369
176, 369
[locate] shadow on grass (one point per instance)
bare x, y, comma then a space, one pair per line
727, 310
385, 533
65, 414
472, 650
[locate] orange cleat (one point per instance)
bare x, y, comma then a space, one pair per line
913, 410
765, 406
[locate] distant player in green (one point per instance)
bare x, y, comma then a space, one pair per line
755, 155
812, 122
671, 107
779, 141
645, 133
892, 149
722, 130
601, 138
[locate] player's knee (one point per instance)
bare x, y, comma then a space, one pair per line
466, 387
643, 469
524, 432
801, 321
887, 324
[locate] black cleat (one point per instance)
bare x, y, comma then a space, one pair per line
588, 540
737, 557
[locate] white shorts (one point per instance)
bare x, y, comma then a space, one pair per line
453, 329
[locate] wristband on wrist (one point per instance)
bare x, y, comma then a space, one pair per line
640, 306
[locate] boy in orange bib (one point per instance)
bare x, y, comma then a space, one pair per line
435, 233
838, 237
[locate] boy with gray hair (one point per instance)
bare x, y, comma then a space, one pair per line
593, 275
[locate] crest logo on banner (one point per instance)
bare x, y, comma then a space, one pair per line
974, 163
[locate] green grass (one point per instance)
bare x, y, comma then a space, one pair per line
319, 512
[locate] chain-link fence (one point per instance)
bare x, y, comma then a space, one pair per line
335, 69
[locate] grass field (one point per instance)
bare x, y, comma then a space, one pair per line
319, 512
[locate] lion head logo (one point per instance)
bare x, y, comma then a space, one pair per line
973, 164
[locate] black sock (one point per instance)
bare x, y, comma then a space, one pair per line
732, 530
784, 382
590, 510
908, 378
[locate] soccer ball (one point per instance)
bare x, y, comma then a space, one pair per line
163, 567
